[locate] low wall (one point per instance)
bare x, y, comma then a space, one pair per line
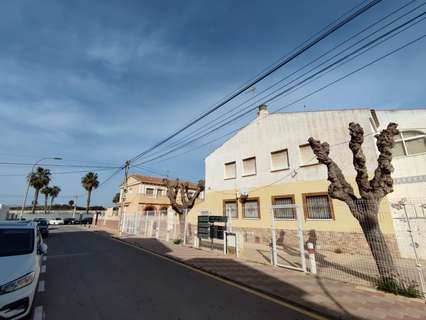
110, 223
347, 242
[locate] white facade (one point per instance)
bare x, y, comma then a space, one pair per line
274, 132
409, 183
269, 133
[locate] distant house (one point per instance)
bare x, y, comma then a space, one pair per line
147, 195
270, 162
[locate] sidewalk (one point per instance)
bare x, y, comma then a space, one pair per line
330, 298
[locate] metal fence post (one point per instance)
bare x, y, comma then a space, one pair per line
274, 240
300, 236
312, 262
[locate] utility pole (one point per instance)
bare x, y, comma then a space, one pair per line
123, 194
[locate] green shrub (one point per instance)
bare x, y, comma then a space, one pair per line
177, 241
399, 286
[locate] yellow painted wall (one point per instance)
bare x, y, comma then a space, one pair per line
343, 219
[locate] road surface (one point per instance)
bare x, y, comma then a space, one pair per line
90, 276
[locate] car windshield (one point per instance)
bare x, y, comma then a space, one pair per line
42, 223
14, 242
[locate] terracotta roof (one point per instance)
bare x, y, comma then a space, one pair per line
158, 180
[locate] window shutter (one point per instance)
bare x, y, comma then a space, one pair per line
230, 170
249, 166
279, 160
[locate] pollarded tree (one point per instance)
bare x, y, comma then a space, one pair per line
38, 179
187, 198
366, 207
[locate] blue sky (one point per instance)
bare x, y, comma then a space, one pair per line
97, 82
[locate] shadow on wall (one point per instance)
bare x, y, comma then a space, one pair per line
247, 276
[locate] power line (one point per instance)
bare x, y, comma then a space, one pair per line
56, 165
339, 61
334, 82
312, 43
214, 122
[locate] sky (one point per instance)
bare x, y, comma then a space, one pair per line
97, 82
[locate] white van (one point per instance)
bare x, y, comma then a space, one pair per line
21, 251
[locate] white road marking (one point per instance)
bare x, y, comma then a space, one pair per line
38, 313
43, 268
41, 286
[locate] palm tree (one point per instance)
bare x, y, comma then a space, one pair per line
53, 194
89, 182
71, 203
46, 191
38, 179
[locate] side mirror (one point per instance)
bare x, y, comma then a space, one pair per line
42, 249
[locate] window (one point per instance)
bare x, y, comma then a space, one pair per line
317, 206
149, 192
409, 143
284, 213
159, 193
230, 170
249, 166
15, 242
251, 208
279, 160
230, 209
307, 156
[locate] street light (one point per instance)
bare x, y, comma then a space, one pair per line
28, 184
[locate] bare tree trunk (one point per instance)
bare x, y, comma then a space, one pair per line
181, 225
45, 203
88, 201
376, 241
35, 201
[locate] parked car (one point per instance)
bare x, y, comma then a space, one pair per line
69, 220
43, 226
56, 221
87, 220
21, 251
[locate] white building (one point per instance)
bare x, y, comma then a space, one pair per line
271, 161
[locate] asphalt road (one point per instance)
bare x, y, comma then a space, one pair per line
89, 276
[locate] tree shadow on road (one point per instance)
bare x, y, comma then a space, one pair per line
245, 275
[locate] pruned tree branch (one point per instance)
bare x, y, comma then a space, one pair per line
172, 192
382, 182
339, 188
355, 144
187, 200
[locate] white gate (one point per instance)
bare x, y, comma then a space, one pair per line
409, 218
288, 254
